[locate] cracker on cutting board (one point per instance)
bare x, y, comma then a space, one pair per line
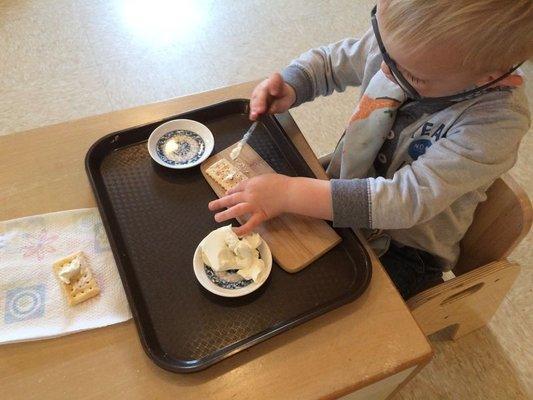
225, 174
81, 287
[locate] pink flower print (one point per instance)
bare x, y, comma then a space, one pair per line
38, 244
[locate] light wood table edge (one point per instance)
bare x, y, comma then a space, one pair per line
409, 378
420, 363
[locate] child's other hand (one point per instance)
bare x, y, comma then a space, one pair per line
271, 96
262, 197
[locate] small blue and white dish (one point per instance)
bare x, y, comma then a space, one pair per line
229, 283
180, 144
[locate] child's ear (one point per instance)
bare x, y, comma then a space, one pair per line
489, 77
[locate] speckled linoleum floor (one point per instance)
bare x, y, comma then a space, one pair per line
62, 60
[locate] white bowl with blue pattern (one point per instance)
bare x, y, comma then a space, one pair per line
229, 283
180, 143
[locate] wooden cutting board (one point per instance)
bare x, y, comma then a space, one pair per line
295, 240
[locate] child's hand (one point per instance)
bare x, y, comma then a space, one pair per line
271, 96
262, 197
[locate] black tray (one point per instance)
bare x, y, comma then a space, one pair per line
155, 217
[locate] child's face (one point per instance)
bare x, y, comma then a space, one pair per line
434, 72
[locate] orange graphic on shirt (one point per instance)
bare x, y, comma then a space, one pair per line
511, 80
367, 105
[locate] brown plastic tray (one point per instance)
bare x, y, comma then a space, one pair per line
155, 217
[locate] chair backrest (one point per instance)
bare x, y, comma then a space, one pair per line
499, 224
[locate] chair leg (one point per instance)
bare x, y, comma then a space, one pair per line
468, 301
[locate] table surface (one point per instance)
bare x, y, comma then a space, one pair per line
332, 355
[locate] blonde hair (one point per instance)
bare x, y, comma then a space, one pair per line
489, 34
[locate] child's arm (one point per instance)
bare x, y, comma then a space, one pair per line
317, 72
321, 71
266, 196
480, 147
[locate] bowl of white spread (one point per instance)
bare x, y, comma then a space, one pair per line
180, 143
230, 266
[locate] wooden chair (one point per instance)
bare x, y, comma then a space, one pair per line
483, 275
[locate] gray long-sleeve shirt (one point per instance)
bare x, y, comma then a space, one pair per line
437, 162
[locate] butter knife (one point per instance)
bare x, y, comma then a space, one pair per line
238, 148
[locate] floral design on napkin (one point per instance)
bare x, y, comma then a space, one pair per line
39, 244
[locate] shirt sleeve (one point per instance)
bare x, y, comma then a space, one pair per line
481, 146
320, 71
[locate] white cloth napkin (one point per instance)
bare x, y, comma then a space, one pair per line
32, 304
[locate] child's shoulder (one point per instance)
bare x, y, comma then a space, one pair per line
500, 103
493, 124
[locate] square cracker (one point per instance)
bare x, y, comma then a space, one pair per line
225, 174
81, 287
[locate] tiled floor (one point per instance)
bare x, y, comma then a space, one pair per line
66, 59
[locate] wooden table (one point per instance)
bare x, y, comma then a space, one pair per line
370, 346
